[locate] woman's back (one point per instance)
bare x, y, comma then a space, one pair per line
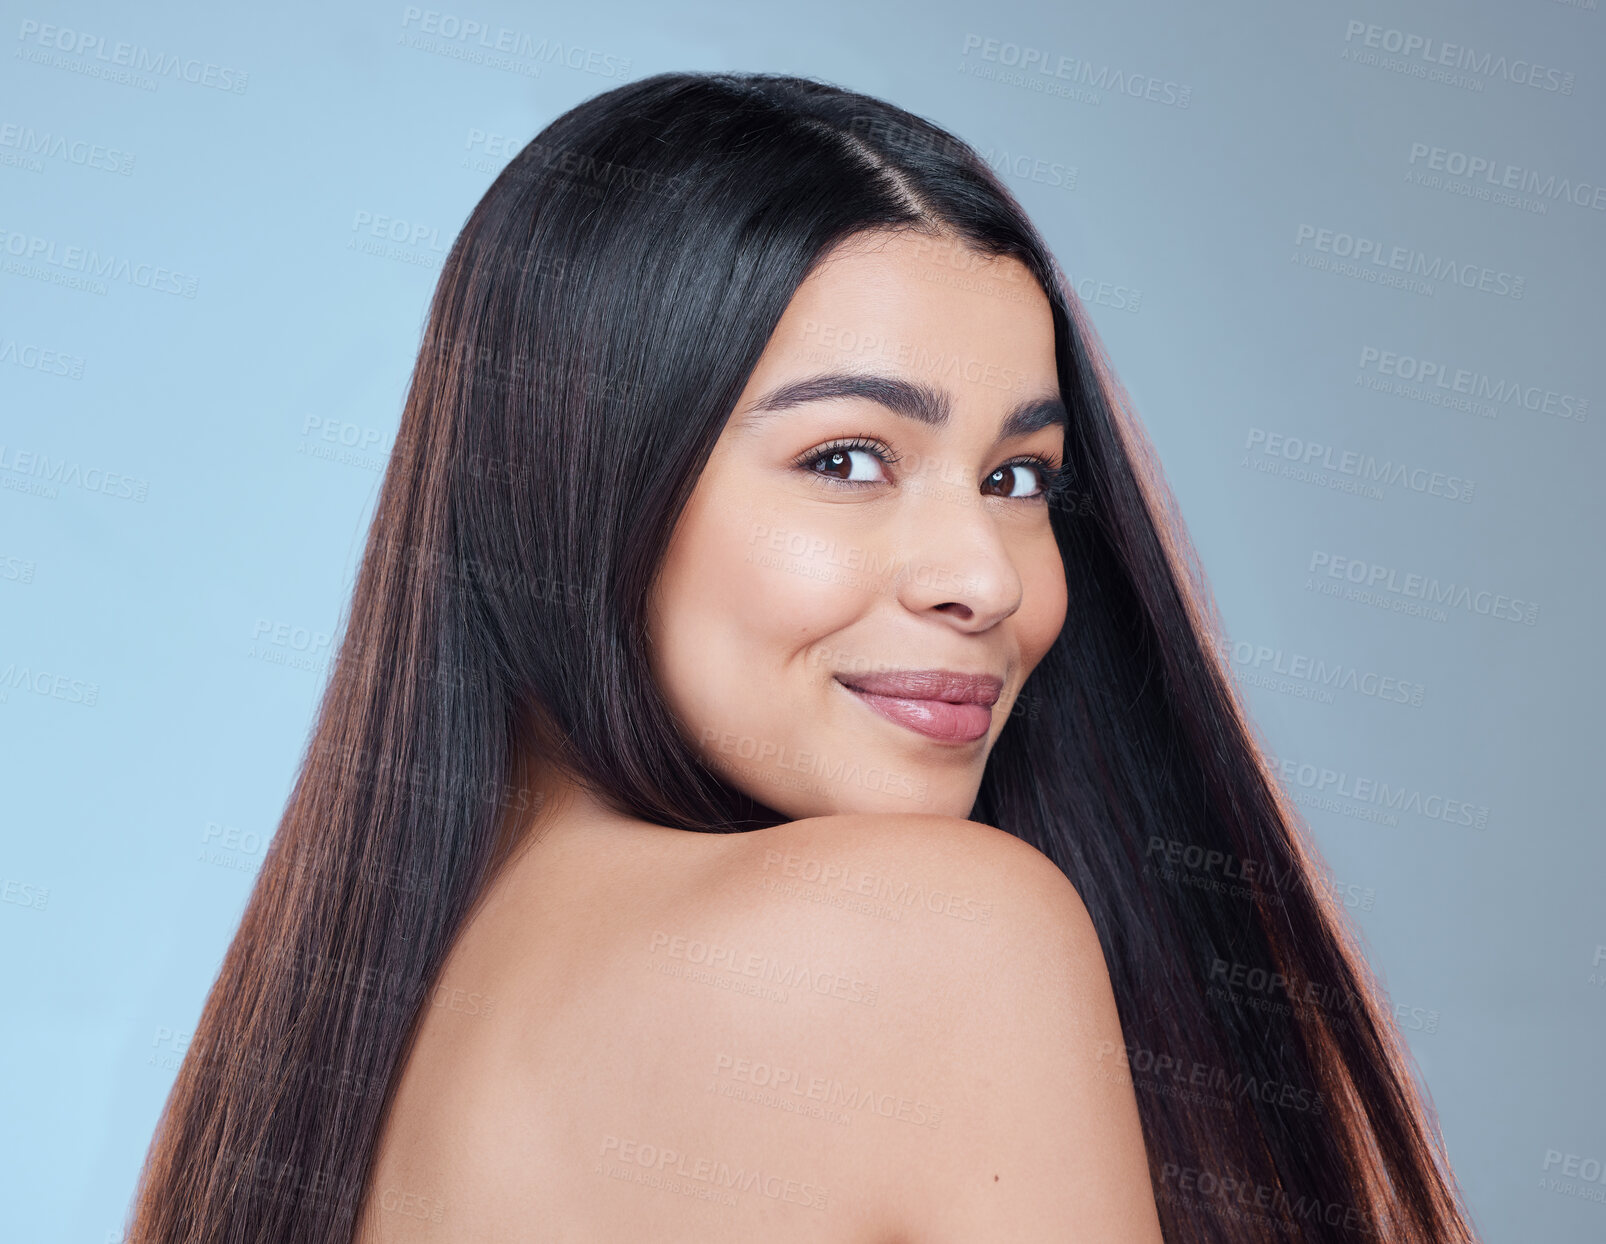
851, 1028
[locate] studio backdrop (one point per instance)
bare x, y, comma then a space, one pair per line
1347, 262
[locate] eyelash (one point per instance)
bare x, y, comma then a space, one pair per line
1056, 478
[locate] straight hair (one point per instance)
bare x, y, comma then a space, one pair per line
594, 324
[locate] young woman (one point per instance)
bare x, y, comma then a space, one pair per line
777, 782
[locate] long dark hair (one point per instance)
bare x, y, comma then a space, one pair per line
594, 324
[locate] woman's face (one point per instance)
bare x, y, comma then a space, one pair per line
872, 516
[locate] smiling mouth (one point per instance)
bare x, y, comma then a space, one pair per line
940, 704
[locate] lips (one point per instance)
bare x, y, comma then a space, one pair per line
940, 704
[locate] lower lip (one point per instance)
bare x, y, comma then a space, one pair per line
936, 719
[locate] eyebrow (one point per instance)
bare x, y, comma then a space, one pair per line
912, 400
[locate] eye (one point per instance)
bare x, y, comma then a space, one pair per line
1026, 478
857, 461
1016, 478
860, 461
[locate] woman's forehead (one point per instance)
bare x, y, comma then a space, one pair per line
922, 308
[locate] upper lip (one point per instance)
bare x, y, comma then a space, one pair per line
949, 685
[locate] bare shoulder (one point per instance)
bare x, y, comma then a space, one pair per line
906, 866
927, 838
952, 908
994, 1024
865, 1028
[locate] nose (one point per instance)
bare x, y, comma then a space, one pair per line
952, 557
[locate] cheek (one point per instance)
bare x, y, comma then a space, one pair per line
747, 601
1043, 600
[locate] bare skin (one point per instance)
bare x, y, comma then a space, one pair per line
777, 579
878, 1021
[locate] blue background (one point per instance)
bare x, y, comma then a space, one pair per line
186, 475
